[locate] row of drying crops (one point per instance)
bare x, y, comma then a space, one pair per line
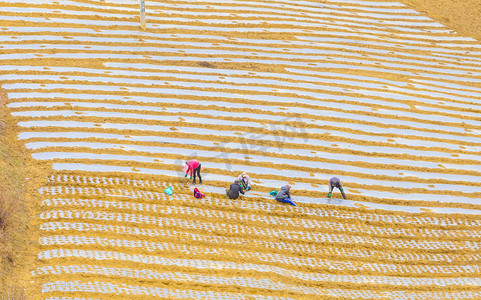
290, 92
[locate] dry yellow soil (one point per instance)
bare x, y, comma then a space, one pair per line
462, 15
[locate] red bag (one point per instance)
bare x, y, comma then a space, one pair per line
198, 194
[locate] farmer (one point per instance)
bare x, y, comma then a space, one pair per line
335, 182
285, 196
245, 181
235, 189
194, 167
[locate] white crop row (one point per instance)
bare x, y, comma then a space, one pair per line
313, 250
234, 229
261, 18
294, 74
331, 12
205, 237
460, 183
107, 181
359, 116
370, 46
260, 55
319, 193
148, 274
267, 206
328, 105
266, 220
270, 258
215, 175
324, 20
248, 139
274, 132
111, 288
300, 131
299, 78
138, 290
375, 124
305, 8
419, 72
444, 51
263, 196
222, 265
368, 125
256, 206
248, 143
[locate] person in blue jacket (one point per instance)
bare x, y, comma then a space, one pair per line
335, 182
285, 196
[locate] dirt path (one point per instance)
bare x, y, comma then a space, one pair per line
20, 178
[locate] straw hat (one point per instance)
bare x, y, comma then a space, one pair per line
244, 174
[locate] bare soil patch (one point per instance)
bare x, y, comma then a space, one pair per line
464, 16
17, 175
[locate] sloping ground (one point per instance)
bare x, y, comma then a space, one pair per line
401, 124
464, 16
289, 91
16, 192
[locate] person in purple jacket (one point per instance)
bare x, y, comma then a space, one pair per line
335, 182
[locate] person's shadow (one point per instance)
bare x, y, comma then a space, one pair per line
334, 201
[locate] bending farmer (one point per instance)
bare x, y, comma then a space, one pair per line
234, 190
245, 181
284, 195
194, 167
335, 182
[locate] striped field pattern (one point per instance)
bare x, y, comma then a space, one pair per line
289, 91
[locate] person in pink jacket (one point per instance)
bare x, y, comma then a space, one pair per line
192, 166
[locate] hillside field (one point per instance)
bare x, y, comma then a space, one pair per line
291, 92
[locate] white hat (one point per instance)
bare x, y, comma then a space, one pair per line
185, 167
244, 174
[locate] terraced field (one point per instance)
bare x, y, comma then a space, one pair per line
290, 92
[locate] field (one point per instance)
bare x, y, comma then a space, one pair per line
292, 92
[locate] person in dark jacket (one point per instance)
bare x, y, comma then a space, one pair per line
235, 189
285, 196
335, 182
